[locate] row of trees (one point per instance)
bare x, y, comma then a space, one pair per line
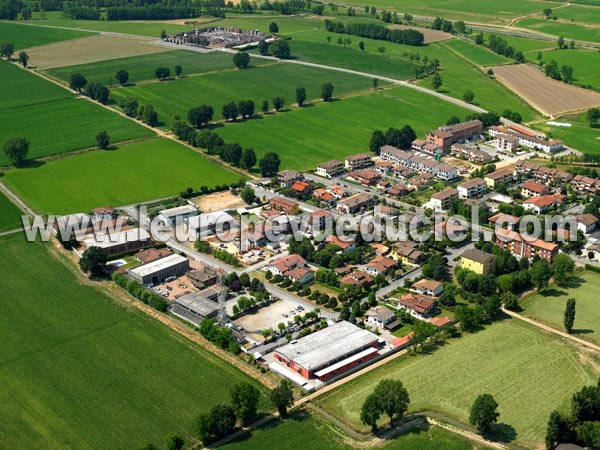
152, 299
378, 32
564, 73
96, 91
400, 138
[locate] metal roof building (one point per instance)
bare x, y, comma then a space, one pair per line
155, 272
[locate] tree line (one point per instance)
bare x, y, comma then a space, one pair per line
377, 31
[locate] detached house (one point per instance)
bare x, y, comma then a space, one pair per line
382, 317
429, 287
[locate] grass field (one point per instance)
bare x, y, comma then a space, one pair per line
312, 432
568, 30
265, 82
25, 36
136, 172
549, 306
528, 373
307, 136
79, 371
523, 44
476, 54
142, 67
579, 136
52, 119
585, 63
10, 215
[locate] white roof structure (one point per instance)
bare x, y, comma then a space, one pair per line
111, 239
332, 344
178, 211
153, 267
206, 223
198, 303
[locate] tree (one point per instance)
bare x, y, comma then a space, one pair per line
510, 301
178, 70
129, 105
265, 106
547, 12
436, 82
93, 261
370, 412
540, 273
593, 116
282, 397
278, 103
479, 39
436, 268
376, 142
468, 96
281, 49
98, 92
490, 72
459, 26
393, 398
247, 194
16, 149
7, 49
163, 34
241, 60
122, 76
560, 42
162, 73
381, 49
230, 111
200, 115
244, 399
263, 47
269, 164
77, 82
563, 266
23, 59
150, 116
553, 429
300, 96
361, 45
375, 83
221, 420
175, 442
273, 28
589, 433
248, 158
327, 92
569, 318
103, 140
484, 413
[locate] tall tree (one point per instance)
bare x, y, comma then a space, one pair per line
393, 398
484, 413
16, 149
327, 92
241, 60
93, 261
300, 96
278, 103
563, 266
377, 141
122, 76
247, 194
244, 399
436, 82
569, 317
540, 273
282, 397
273, 28
281, 49
248, 158
23, 59
7, 49
162, 73
370, 412
200, 115
178, 70
103, 140
269, 164
77, 82
175, 442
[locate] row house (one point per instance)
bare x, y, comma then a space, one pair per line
585, 185
419, 163
355, 203
543, 174
470, 153
359, 161
368, 177
446, 136
423, 146
522, 248
284, 205
499, 177
543, 203
528, 140
399, 190
472, 189
533, 189
442, 200
506, 142
330, 169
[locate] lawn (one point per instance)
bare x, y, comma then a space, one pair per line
25, 36
10, 215
53, 120
142, 68
302, 430
265, 82
307, 136
80, 371
568, 30
549, 306
476, 54
529, 374
585, 63
579, 136
135, 172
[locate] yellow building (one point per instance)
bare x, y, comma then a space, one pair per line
478, 261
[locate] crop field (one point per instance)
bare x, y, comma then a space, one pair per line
10, 215
476, 54
147, 170
305, 137
90, 49
549, 96
52, 119
568, 30
264, 82
80, 371
530, 374
549, 306
575, 13
142, 68
579, 136
585, 63
302, 430
27, 36
523, 44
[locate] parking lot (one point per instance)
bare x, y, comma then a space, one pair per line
269, 317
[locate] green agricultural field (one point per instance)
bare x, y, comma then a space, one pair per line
585, 63
579, 136
147, 170
302, 430
10, 215
575, 13
523, 44
476, 54
549, 306
307, 136
80, 371
52, 119
529, 374
26, 36
568, 30
265, 82
142, 68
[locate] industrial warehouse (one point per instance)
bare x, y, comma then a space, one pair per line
328, 353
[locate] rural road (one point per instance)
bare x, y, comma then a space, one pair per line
550, 329
13, 197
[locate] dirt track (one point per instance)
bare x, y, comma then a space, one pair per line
548, 96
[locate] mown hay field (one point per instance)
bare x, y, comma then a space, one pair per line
24, 36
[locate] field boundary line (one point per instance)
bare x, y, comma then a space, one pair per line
553, 330
16, 200
9, 232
